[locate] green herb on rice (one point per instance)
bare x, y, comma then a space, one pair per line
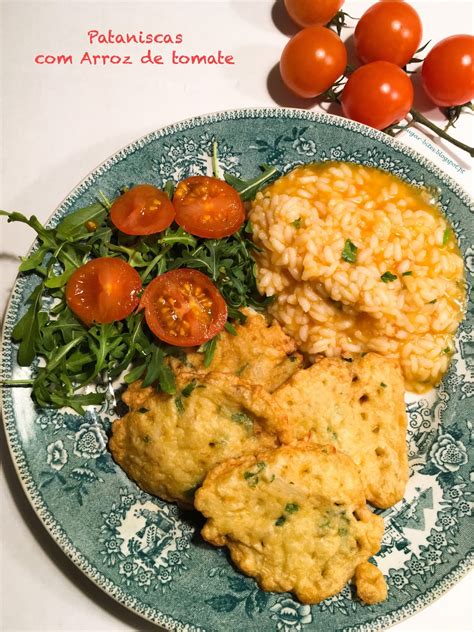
349, 252
388, 277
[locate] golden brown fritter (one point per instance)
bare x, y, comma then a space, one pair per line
370, 583
359, 408
294, 518
260, 353
167, 444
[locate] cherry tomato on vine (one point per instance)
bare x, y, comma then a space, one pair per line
388, 31
312, 61
447, 73
208, 207
312, 12
143, 210
377, 94
103, 290
184, 308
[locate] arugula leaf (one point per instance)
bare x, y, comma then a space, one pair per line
104, 340
209, 348
135, 339
215, 161
167, 380
153, 367
34, 260
105, 200
27, 329
178, 236
247, 189
231, 329
159, 371
63, 351
134, 374
74, 224
62, 279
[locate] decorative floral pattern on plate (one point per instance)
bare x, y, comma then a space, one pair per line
192, 157
147, 540
146, 553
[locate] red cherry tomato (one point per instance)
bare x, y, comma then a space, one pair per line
388, 31
312, 12
103, 290
208, 207
447, 73
143, 210
312, 61
378, 94
184, 308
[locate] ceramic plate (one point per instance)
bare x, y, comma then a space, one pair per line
144, 552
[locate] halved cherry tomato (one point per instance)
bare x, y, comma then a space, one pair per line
184, 308
378, 94
388, 31
447, 73
143, 210
312, 61
312, 12
208, 207
103, 290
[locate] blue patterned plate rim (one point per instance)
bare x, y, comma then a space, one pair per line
30, 487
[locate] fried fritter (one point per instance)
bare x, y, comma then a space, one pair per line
370, 583
294, 518
167, 444
359, 408
260, 353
